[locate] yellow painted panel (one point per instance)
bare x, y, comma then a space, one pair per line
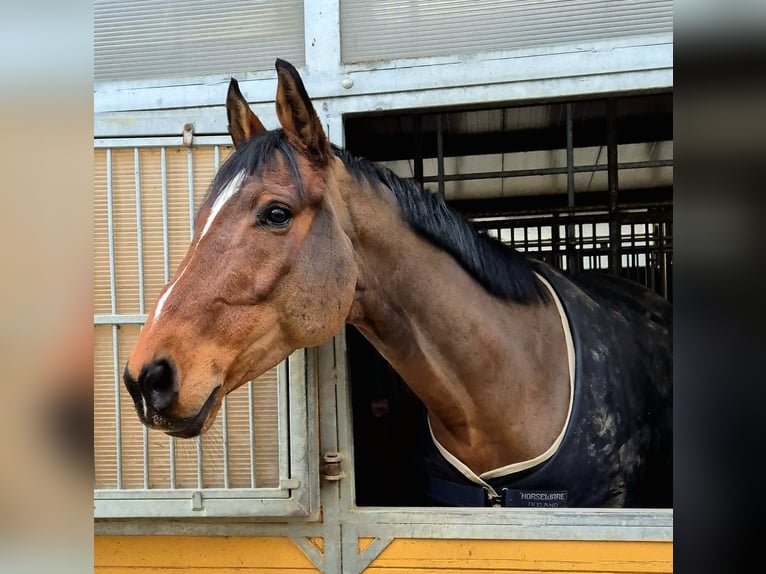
138, 554
363, 544
528, 556
226, 570
318, 543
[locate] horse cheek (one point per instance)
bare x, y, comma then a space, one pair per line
320, 293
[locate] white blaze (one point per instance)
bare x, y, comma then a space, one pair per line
226, 194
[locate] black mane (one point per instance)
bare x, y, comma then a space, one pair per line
500, 269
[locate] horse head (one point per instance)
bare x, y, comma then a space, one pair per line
269, 269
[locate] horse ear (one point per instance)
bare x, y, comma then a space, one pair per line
297, 115
243, 123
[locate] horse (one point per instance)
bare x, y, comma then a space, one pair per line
540, 389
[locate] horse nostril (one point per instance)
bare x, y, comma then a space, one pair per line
158, 384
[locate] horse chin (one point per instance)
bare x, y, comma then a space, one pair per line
203, 420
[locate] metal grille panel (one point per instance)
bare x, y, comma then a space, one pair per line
145, 199
406, 28
140, 39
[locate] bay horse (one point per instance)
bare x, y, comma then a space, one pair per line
539, 389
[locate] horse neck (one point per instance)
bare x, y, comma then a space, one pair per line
476, 361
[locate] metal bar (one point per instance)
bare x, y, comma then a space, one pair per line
284, 374
570, 156
572, 263
440, 155
172, 454
417, 168
157, 141
662, 261
633, 247
117, 404
200, 482
612, 163
224, 404
139, 230
165, 238
251, 425
116, 319
113, 300
550, 171
225, 430
141, 285
190, 177
110, 229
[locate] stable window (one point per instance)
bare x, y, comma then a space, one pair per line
253, 461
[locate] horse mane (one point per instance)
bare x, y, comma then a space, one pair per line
500, 269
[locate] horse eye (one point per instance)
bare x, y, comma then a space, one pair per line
275, 215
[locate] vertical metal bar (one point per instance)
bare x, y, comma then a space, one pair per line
633, 251
662, 261
224, 404
166, 274
251, 425
190, 177
117, 406
200, 482
417, 168
570, 155
571, 260
141, 285
555, 241
649, 262
539, 240
284, 373
113, 300
225, 430
440, 155
139, 230
165, 238
612, 173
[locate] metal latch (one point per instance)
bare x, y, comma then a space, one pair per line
187, 137
196, 501
330, 469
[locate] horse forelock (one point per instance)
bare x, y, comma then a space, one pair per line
251, 158
500, 269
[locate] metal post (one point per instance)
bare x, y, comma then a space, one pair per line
612, 171
417, 168
113, 298
440, 154
572, 262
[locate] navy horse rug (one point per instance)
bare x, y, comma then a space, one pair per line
616, 447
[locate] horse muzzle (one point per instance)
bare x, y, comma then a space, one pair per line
154, 395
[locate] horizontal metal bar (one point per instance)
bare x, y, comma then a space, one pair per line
211, 508
547, 171
186, 493
138, 319
160, 141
